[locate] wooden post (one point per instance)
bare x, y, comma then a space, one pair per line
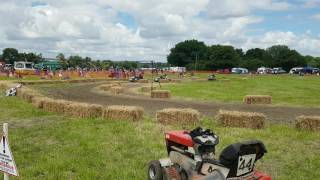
5, 133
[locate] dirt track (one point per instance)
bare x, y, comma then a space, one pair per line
84, 93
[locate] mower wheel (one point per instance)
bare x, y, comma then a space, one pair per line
155, 171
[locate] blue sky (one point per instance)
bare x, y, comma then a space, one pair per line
147, 29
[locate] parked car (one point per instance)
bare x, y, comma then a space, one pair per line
239, 70
295, 70
278, 70
264, 70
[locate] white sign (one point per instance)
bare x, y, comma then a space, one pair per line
7, 164
245, 164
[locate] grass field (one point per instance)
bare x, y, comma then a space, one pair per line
285, 90
50, 146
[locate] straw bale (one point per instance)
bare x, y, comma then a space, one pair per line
116, 90
148, 88
241, 119
257, 99
77, 109
133, 113
308, 123
178, 116
160, 94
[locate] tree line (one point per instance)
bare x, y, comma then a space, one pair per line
11, 55
196, 55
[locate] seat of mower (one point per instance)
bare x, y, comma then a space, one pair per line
240, 157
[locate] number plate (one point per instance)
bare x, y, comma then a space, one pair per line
245, 164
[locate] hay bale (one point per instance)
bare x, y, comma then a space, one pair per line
39, 101
164, 80
76, 109
116, 90
257, 99
241, 119
52, 105
143, 81
148, 88
178, 116
133, 113
308, 123
160, 94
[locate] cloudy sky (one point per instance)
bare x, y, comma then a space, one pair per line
147, 29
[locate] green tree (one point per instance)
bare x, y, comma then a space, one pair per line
10, 55
312, 61
284, 57
221, 57
30, 57
187, 54
62, 60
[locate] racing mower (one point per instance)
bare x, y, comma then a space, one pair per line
192, 156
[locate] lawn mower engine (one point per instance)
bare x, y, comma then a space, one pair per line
192, 156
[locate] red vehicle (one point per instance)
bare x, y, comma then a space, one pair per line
192, 156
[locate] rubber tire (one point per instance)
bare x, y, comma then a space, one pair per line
157, 169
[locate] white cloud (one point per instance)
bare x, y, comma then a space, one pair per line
303, 43
93, 28
316, 16
238, 8
312, 3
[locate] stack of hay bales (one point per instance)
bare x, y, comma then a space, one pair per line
116, 90
160, 94
143, 81
257, 99
241, 119
76, 109
178, 116
133, 113
308, 123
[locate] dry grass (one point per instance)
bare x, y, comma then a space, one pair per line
241, 119
308, 123
77, 109
116, 90
178, 116
257, 99
133, 113
160, 94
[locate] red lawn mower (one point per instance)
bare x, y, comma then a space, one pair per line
192, 156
